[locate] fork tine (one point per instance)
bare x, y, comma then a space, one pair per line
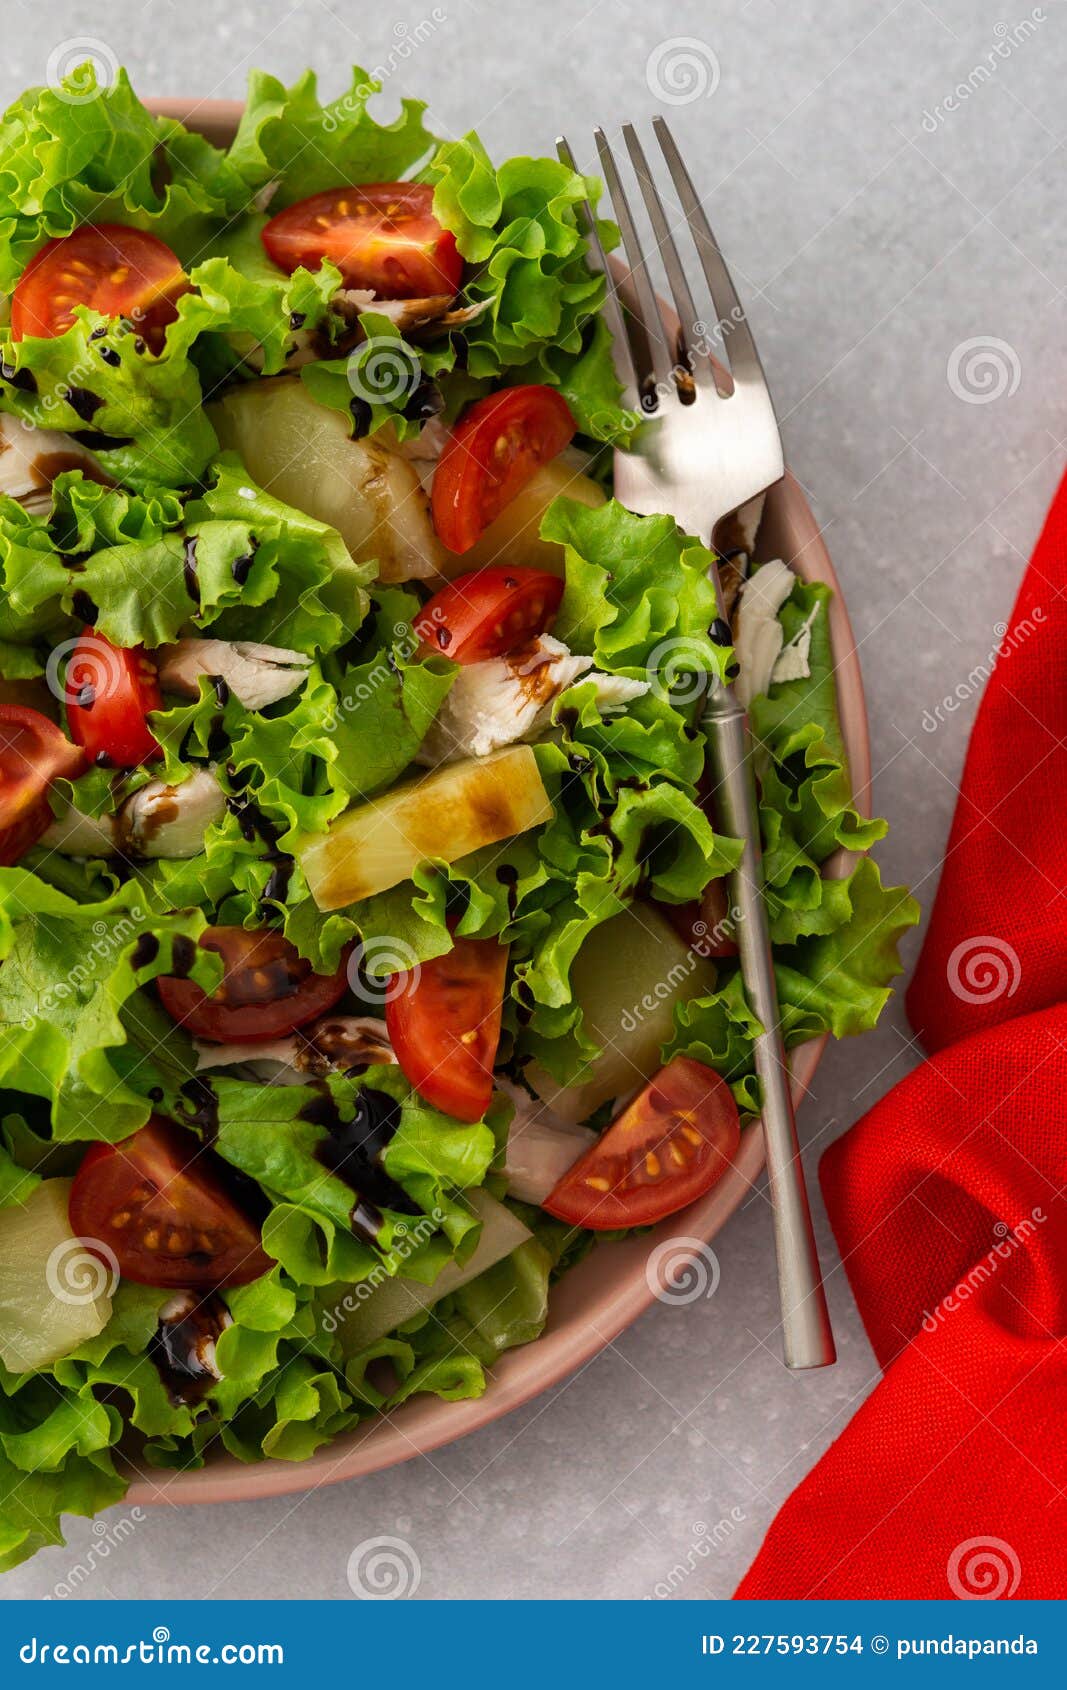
646, 310
612, 308
700, 368
740, 347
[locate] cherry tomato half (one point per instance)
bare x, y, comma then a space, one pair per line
161, 1203
491, 454
109, 691
266, 992
444, 1025
33, 751
380, 235
488, 613
667, 1148
707, 927
119, 272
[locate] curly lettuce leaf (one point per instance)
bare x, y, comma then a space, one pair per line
234, 561
75, 1028
288, 136
518, 227
100, 157
638, 598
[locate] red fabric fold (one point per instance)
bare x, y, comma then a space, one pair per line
947, 1198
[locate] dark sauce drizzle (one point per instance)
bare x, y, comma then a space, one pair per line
353, 1151
177, 1345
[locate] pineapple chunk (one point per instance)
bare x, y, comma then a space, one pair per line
514, 537
302, 452
54, 1294
448, 814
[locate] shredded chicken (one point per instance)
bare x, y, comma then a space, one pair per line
257, 675
540, 1147
31, 458
759, 637
505, 699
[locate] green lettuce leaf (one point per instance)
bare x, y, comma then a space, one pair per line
83, 153
288, 136
74, 1026
233, 561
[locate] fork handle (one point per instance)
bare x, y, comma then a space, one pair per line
807, 1339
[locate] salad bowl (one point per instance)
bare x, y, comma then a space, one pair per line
615, 1282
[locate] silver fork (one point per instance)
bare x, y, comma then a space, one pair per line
704, 452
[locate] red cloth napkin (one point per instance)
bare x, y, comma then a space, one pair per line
947, 1199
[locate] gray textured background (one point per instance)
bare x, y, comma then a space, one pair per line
872, 232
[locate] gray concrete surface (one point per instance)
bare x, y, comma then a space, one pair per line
875, 231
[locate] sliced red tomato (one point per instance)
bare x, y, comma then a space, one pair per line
667, 1148
489, 612
117, 271
491, 453
380, 235
707, 926
267, 991
161, 1202
444, 1025
33, 752
109, 691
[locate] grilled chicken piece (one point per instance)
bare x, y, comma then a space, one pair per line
540, 1147
170, 821
257, 675
156, 821
31, 458
505, 699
